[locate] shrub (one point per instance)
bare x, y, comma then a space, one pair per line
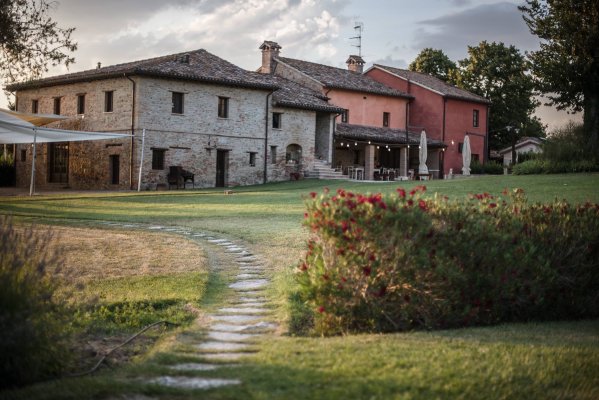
490, 168
7, 170
33, 323
542, 166
397, 262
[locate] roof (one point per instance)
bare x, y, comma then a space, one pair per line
433, 83
293, 95
198, 65
382, 135
339, 78
523, 141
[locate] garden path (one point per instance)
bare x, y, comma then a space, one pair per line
237, 325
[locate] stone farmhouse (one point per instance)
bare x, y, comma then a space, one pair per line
228, 126
447, 113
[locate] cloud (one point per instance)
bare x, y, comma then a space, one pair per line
461, 3
499, 22
392, 62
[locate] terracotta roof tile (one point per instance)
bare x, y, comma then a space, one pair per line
435, 84
197, 65
294, 95
382, 135
338, 78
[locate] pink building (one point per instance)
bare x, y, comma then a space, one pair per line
445, 112
373, 130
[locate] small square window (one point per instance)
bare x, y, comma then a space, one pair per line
252, 159
223, 107
386, 117
108, 101
57, 105
273, 154
345, 116
34, 106
80, 104
475, 118
158, 158
276, 120
177, 103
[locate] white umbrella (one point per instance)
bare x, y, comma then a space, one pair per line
422, 154
466, 156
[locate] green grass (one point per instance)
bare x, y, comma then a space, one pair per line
535, 361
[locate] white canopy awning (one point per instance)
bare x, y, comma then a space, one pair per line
24, 128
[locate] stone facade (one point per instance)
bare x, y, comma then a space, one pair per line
191, 140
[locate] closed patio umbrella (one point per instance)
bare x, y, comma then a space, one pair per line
466, 156
422, 154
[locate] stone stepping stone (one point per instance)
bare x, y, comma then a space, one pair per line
199, 234
224, 243
195, 367
212, 240
249, 284
252, 294
224, 356
243, 311
170, 229
216, 345
128, 226
248, 299
248, 275
236, 319
247, 258
231, 336
193, 383
257, 327
251, 304
152, 228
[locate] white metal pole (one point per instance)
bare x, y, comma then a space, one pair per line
32, 183
143, 141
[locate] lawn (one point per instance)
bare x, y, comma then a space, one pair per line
551, 360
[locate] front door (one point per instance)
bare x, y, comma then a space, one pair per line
222, 166
58, 162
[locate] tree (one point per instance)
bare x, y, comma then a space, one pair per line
433, 62
566, 68
30, 40
499, 73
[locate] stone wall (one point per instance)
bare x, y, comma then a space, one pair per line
190, 140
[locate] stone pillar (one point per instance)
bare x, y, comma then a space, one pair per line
404, 156
331, 140
369, 162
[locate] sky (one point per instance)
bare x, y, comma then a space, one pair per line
394, 31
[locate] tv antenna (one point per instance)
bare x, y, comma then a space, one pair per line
358, 28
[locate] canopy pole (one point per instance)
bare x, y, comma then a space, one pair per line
32, 183
143, 140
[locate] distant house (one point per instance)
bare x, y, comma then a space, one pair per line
226, 125
372, 131
523, 146
445, 112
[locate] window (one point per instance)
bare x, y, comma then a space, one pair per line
34, 106
386, 116
293, 154
276, 120
57, 105
177, 103
345, 116
115, 169
23, 155
475, 118
252, 159
273, 154
223, 107
158, 158
108, 101
80, 104
460, 147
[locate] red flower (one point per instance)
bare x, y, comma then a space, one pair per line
492, 205
401, 192
422, 205
325, 277
313, 194
410, 202
344, 226
304, 267
305, 215
412, 192
320, 309
366, 271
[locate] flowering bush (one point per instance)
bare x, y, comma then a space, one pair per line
395, 262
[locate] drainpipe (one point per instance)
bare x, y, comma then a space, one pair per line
442, 173
266, 136
132, 130
486, 144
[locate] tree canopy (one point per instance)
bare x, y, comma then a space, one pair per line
499, 73
30, 40
433, 62
566, 67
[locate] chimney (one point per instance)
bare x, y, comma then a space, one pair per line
355, 64
270, 50
99, 65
